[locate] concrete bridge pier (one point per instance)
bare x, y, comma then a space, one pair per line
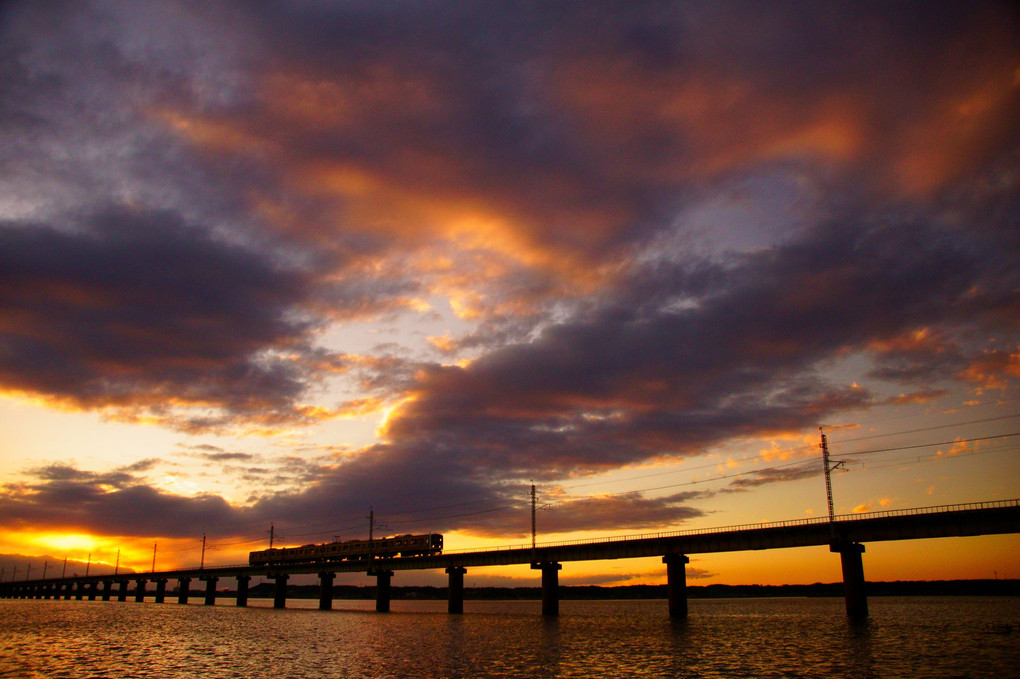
140, 589
242, 590
122, 590
676, 584
93, 590
160, 590
183, 584
79, 591
382, 590
456, 589
550, 586
107, 589
210, 590
280, 593
326, 591
853, 578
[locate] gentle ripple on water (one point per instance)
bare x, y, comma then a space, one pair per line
905, 637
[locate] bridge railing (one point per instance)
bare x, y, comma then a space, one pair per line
916, 511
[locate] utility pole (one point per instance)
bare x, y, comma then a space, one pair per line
272, 534
28, 573
63, 573
371, 529
44, 565
154, 557
532, 515
534, 509
88, 564
116, 566
824, 445
201, 564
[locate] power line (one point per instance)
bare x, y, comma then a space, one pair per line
929, 445
932, 428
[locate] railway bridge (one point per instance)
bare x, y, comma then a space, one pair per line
845, 535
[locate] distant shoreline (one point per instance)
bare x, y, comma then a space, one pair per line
595, 592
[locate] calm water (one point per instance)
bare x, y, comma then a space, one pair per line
905, 637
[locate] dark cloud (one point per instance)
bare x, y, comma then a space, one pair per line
777, 474
61, 496
143, 310
229, 457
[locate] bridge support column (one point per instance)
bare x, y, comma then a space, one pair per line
676, 584
853, 578
550, 586
140, 589
456, 589
122, 590
210, 590
183, 584
280, 594
93, 590
160, 590
107, 589
382, 590
242, 590
326, 591
79, 591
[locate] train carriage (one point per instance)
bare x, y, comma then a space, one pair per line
388, 547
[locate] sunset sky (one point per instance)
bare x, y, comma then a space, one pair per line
291, 262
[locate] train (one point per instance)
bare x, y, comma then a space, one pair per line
398, 545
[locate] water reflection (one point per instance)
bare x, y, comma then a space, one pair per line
858, 644
723, 638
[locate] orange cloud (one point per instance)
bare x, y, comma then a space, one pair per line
994, 369
959, 129
921, 339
